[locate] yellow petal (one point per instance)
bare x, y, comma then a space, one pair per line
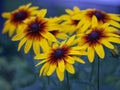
6, 15
70, 60
6, 28
11, 30
43, 67
114, 23
70, 68
85, 26
36, 47
100, 51
107, 44
44, 44
49, 36
18, 37
90, 54
94, 22
69, 11
78, 59
21, 43
62, 36
41, 62
55, 45
72, 52
42, 13
114, 17
76, 9
113, 39
60, 74
40, 56
70, 40
28, 46
51, 69
61, 65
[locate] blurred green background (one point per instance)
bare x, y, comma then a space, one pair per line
17, 71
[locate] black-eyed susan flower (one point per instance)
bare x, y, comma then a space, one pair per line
69, 24
96, 37
58, 33
86, 16
60, 57
36, 33
15, 18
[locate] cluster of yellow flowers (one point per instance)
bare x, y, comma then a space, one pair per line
60, 41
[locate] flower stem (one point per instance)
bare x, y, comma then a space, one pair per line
98, 84
68, 82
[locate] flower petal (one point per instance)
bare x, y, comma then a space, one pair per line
51, 69
21, 43
100, 51
70, 68
60, 74
28, 46
36, 47
61, 65
90, 54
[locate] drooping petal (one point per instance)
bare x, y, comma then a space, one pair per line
21, 43
61, 65
70, 68
28, 46
107, 44
70, 60
51, 69
91, 54
100, 51
43, 67
36, 47
60, 74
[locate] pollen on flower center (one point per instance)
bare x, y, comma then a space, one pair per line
58, 53
35, 27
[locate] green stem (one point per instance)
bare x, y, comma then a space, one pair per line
98, 86
91, 75
68, 82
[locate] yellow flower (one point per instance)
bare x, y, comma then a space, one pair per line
60, 57
70, 25
86, 16
58, 33
15, 18
36, 32
94, 39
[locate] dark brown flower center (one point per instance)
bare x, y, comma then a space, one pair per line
94, 35
20, 16
58, 54
99, 15
35, 27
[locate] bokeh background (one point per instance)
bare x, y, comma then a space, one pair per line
17, 71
